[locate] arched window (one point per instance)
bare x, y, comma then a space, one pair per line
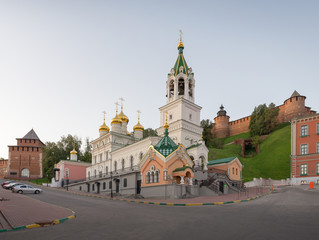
148, 177
190, 88
125, 182
131, 161
157, 176
236, 171
123, 164
115, 166
181, 86
171, 89
233, 171
25, 172
152, 177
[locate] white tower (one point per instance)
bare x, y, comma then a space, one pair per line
183, 113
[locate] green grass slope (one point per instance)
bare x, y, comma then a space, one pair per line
272, 162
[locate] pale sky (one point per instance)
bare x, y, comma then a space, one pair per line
64, 62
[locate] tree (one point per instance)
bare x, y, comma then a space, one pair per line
264, 120
87, 155
54, 152
149, 132
207, 135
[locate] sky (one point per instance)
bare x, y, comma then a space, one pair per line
62, 63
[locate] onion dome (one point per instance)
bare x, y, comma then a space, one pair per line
116, 119
128, 134
73, 151
104, 128
138, 126
123, 117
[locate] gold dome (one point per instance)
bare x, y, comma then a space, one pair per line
123, 117
180, 45
116, 120
166, 126
138, 126
74, 152
104, 128
128, 134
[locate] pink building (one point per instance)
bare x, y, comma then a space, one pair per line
69, 171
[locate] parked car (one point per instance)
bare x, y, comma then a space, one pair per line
12, 185
26, 189
9, 185
6, 182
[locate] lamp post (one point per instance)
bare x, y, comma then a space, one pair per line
111, 186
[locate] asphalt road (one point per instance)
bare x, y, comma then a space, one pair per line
288, 213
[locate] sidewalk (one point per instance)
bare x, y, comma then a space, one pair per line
249, 194
18, 211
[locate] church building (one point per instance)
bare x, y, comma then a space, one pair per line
130, 164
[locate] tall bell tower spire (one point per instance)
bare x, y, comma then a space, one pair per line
183, 113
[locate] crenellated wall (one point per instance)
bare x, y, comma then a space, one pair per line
292, 107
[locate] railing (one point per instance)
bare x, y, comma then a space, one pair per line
114, 173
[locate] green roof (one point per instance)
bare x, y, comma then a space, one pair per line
180, 62
219, 161
166, 145
182, 169
195, 145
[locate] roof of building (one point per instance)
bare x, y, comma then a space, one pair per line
194, 145
31, 135
180, 61
295, 94
219, 161
166, 145
182, 169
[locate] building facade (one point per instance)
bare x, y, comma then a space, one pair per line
305, 149
25, 158
3, 167
121, 161
291, 108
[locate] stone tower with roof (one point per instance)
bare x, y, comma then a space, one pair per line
25, 159
292, 107
183, 112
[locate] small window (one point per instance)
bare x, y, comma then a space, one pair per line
190, 116
123, 164
304, 131
170, 117
104, 185
236, 171
304, 149
80, 188
303, 169
125, 182
317, 147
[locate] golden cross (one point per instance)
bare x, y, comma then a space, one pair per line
138, 114
180, 35
117, 105
122, 100
104, 113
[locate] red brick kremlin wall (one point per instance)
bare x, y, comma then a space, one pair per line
3, 168
292, 107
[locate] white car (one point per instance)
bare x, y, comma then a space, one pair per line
26, 189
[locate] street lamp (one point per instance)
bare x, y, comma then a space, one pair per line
111, 186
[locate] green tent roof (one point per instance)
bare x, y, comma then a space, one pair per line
166, 145
219, 161
180, 62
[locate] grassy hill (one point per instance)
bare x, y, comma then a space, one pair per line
273, 160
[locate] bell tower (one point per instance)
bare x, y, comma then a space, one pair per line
183, 113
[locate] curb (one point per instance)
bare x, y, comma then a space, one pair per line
35, 225
173, 204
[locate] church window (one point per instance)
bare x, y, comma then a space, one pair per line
104, 186
106, 170
236, 171
125, 182
171, 89
190, 116
100, 174
190, 89
303, 169
115, 166
131, 159
148, 177
181, 86
157, 176
170, 117
152, 177
304, 149
80, 188
110, 184
123, 164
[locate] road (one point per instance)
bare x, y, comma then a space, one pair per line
288, 213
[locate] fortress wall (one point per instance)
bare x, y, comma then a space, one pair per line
239, 126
